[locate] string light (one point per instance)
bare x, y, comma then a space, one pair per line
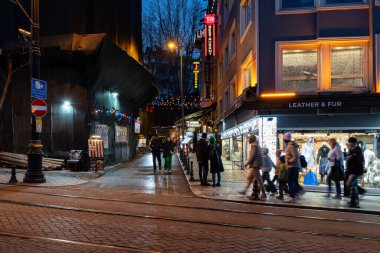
174, 102
118, 116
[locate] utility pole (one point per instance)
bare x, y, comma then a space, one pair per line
34, 172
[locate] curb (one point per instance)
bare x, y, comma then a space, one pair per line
297, 206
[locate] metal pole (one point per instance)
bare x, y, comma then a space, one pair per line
34, 172
182, 103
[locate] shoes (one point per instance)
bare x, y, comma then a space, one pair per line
291, 200
263, 196
327, 195
337, 197
213, 185
353, 206
253, 197
159, 168
218, 184
242, 192
280, 197
206, 184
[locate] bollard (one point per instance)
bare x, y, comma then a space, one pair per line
188, 166
13, 179
192, 179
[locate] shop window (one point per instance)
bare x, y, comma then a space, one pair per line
247, 76
296, 4
226, 59
245, 16
322, 66
347, 66
232, 43
344, 2
300, 68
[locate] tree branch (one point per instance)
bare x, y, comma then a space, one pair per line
20, 67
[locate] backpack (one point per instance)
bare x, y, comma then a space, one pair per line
303, 161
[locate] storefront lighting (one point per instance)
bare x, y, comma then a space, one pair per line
278, 95
66, 104
115, 94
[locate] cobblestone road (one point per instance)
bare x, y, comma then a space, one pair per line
119, 223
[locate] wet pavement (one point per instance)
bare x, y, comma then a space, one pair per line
233, 180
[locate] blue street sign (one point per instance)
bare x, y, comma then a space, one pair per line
39, 89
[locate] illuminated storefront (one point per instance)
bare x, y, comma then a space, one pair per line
235, 145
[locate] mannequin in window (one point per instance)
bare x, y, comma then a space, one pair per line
308, 152
370, 165
322, 160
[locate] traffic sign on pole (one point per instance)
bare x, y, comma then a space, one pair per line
39, 108
39, 88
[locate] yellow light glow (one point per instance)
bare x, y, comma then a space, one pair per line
171, 45
276, 95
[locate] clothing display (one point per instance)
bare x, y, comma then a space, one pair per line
322, 160
371, 165
308, 152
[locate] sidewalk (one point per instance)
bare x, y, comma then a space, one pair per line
314, 198
53, 178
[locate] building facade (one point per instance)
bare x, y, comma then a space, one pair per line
91, 57
317, 68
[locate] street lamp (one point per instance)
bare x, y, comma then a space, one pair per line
173, 45
34, 172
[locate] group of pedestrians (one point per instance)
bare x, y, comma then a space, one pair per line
209, 153
288, 167
168, 149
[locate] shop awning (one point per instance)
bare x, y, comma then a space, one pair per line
198, 115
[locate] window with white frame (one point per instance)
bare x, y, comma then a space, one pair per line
247, 75
347, 68
296, 4
226, 99
225, 13
299, 69
323, 66
225, 57
343, 2
220, 70
233, 90
232, 43
245, 15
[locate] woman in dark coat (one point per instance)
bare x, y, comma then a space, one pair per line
215, 161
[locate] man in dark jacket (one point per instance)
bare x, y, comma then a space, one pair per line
355, 168
155, 146
203, 155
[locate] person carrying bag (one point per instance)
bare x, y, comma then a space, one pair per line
335, 170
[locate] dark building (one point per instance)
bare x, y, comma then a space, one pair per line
315, 71
91, 56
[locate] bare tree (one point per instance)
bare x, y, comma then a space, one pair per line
7, 70
166, 20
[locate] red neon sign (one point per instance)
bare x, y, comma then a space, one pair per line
209, 19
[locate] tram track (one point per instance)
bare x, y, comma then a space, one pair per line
76, 243
225, 210
189, 221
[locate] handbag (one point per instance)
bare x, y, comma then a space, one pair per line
337, 171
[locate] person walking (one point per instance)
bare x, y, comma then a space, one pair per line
293, 165
266, 169
355, 168
335, 160
282, 177
155, 147
168, 148
254, 161
203, 156
216, 165
277, 166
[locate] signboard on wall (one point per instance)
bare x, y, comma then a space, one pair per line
196, 74
137, 126
209, 35
121, 134
102, 131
